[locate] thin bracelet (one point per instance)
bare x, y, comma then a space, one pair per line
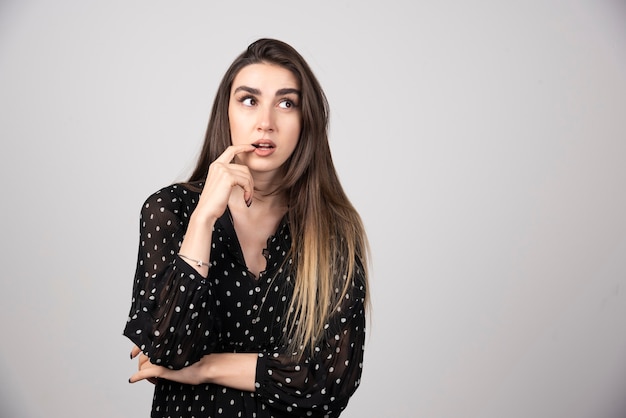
199, 263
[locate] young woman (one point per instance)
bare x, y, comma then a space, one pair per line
251, 285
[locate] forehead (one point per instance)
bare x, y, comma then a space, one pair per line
265, 76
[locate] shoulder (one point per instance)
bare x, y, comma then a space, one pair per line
174, 196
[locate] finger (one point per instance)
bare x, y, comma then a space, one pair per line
236, 175
135, 350
150, 373
142, 360
230, 152
244, 180
141, 375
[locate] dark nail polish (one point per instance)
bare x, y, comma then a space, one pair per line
248, 202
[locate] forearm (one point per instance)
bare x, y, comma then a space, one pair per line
197, 243
234, 370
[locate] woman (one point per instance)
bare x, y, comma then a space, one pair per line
250, 289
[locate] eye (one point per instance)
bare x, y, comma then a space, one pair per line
247, 101
286, 104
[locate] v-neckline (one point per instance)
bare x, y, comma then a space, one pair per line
228, 223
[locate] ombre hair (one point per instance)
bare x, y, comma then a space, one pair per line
329, 240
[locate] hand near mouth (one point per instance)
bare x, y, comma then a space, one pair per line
223, 175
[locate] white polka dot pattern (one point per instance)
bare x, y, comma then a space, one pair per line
177, 316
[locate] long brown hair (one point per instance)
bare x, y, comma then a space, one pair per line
329, 241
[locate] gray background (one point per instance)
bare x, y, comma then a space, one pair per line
483, 142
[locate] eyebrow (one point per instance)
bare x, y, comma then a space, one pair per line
283, 92
280, 92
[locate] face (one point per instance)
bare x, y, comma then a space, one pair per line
264, 110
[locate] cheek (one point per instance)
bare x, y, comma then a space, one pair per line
235, 125
296, 128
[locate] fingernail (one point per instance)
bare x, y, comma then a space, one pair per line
131, 355
248, 202
129, 380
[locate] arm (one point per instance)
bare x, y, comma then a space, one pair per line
171, 318
318, 385
221, 178
234, 370
164, 283
323, 382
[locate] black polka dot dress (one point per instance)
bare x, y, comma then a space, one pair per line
177, 316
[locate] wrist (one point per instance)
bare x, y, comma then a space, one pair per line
196, 246
201, 220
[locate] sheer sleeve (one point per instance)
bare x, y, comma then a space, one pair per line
170, 318
321, 384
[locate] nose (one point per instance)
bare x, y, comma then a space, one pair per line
265, 122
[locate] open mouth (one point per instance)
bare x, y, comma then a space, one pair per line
264, 144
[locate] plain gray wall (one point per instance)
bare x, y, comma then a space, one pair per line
484, 144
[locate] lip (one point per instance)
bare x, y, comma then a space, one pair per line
264, 147
265, 142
